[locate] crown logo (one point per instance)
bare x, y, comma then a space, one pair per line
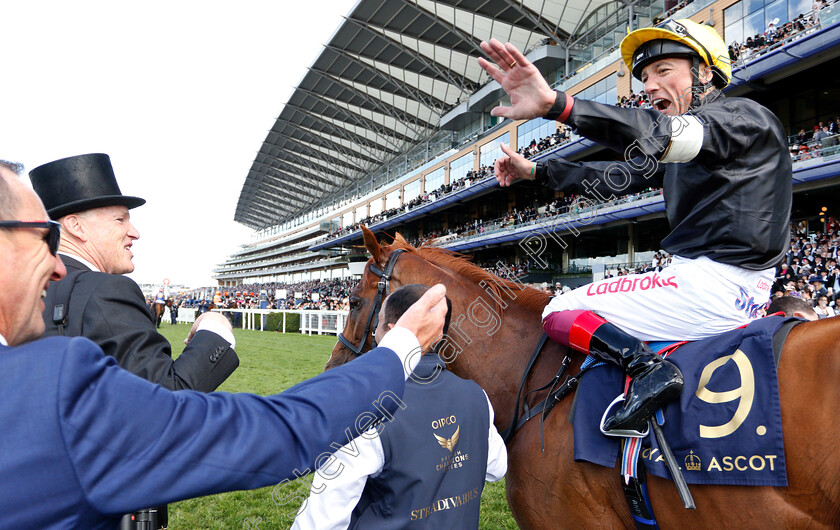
692, 462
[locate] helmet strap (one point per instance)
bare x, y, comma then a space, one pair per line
698, 89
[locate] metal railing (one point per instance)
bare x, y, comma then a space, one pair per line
568, 213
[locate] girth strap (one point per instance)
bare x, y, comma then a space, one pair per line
507, 434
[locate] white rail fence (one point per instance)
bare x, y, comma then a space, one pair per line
322, 322
311, 322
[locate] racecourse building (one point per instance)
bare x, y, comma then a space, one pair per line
390, 128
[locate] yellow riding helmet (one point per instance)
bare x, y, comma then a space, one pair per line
675, 38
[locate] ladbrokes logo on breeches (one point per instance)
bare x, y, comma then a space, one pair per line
627, 284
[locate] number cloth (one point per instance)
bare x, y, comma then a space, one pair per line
727, 426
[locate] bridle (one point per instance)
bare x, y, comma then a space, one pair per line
382, 290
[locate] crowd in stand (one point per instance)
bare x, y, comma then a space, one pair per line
570, 204
549, 142
444, 189
326, 295
775, 35
815, 143
809, 270
313, 294
506, 268
634, 101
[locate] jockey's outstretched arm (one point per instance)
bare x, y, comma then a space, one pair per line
600, 180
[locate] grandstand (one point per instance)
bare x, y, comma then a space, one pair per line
391, 128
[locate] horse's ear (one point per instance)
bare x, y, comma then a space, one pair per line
372, 245
400, 238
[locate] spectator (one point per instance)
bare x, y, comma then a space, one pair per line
822, 309
792, 307
82, 194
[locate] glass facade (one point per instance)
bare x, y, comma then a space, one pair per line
375, 206
434, 180
471, 128
392, 200
604, 28
604, 91
411, 191
536, 129
491, 150
459, 168
749, 18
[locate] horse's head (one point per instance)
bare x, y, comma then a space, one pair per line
478, 299
366, 300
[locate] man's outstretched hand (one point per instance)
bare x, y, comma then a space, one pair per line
512, 167
426, 316
530, 95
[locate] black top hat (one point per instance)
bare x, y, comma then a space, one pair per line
79, 183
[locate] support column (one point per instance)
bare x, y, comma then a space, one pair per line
631, 243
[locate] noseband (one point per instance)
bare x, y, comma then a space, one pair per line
382, 290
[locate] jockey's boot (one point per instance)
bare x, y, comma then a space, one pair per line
654, 380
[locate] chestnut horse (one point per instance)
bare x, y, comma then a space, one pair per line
549, 489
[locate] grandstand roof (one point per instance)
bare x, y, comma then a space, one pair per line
380, 87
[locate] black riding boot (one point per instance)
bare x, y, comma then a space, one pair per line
654, 381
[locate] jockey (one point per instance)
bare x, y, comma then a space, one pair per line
727, 183
159, 297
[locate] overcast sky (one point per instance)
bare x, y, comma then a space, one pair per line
179, 93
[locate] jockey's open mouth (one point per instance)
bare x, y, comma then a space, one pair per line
662, 104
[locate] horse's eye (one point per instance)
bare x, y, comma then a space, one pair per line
355, 303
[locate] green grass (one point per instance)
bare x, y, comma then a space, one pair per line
269, 363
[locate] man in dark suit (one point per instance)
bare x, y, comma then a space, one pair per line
82, 194
85, 441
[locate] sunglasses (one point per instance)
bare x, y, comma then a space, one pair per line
52, 238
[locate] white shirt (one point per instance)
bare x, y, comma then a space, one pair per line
3, 341
336, 490
81, 260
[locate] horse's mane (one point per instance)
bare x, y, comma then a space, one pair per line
461, 264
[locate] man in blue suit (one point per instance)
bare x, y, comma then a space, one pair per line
84, 441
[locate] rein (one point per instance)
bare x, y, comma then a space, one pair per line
383, 290
543, 407
546, 405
